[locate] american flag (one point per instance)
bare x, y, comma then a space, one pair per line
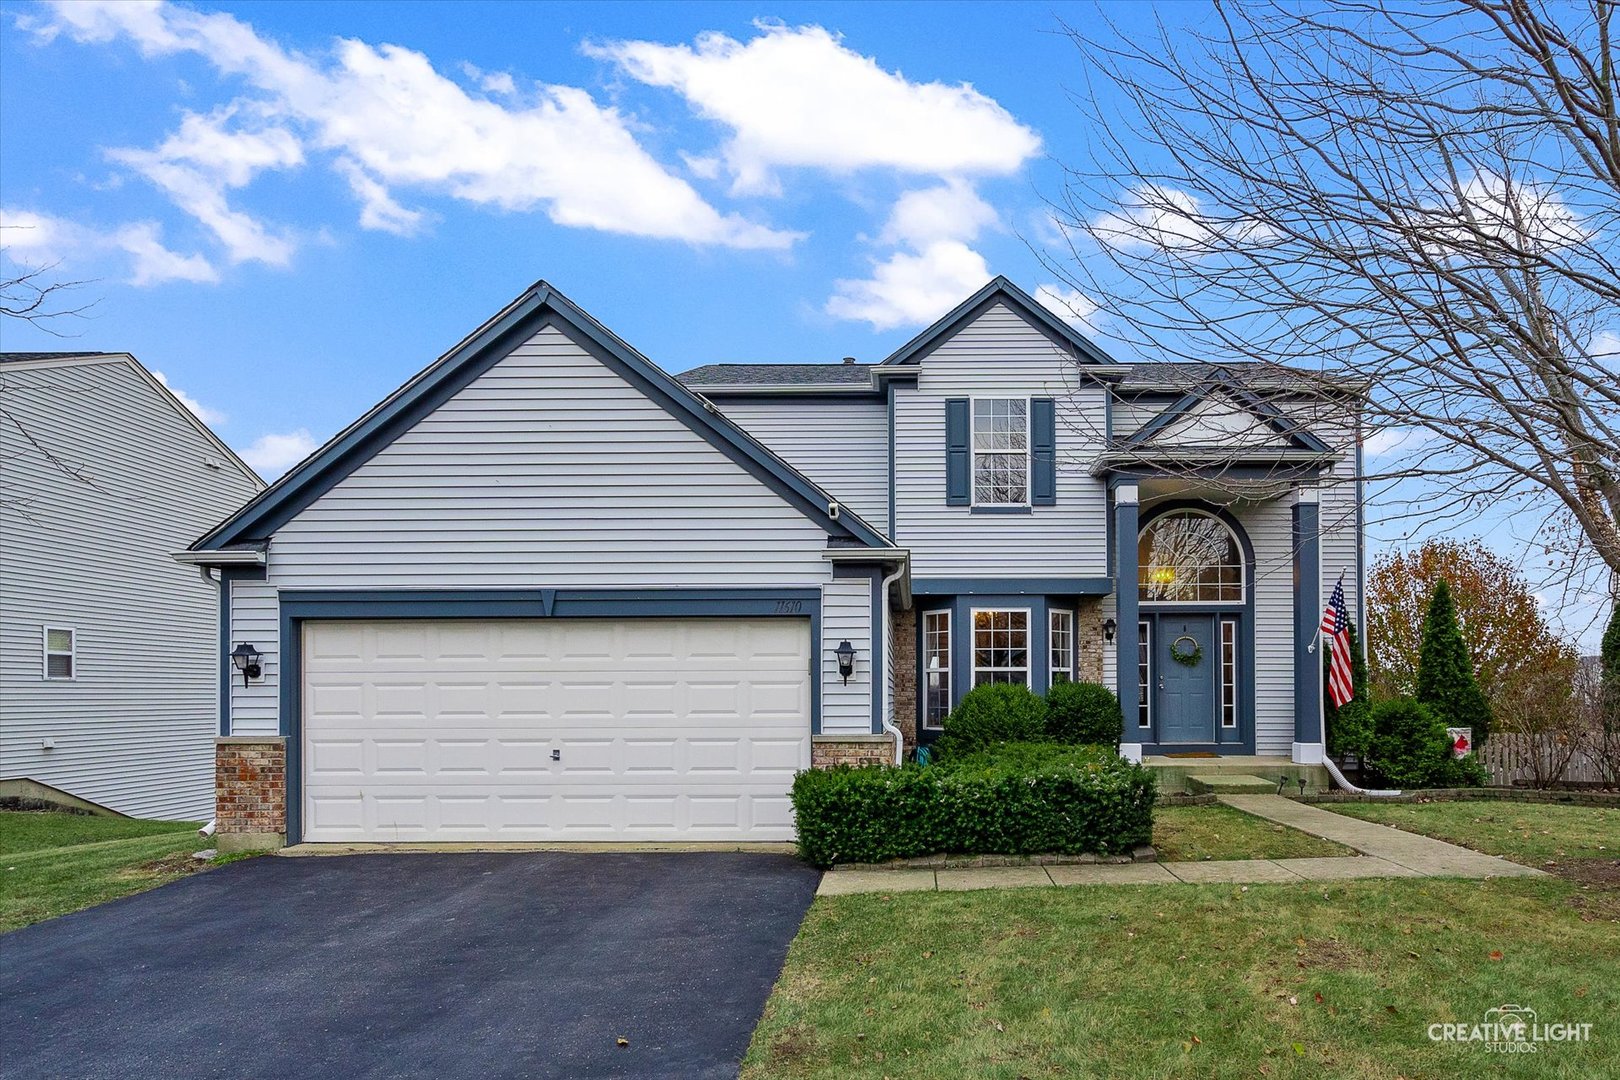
1336, 632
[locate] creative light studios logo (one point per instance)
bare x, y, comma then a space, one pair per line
1511, 1029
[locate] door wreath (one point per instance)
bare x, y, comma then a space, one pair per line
1189, 657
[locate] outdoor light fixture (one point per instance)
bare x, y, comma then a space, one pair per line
1110, 628
846, 659
246, 659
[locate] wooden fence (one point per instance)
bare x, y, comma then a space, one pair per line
1542, 760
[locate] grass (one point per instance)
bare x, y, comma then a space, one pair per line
52, 864
1191, 833
1208, 981
1531, 833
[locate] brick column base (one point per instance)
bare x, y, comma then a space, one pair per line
904, 627
1090, 631
250, 792
829, 750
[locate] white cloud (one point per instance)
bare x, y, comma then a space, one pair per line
909, 289
797, 97
201, 411
1523, 213
273, 454
1391, 442
1070, 305
1173, 221
397, 122
378, 210
951, 211
46, 239
198, 164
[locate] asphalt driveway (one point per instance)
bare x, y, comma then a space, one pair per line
455, 965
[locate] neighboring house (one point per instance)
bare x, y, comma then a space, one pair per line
545, 591
109, 689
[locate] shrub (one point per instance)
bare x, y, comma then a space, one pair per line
1350, 729
1609, 672
990, 714
1017, 799
1445, 676
1409, 748
1083, 712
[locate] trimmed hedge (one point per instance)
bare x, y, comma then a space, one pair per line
1084, 713
1408, 748
989, 715
1020, 799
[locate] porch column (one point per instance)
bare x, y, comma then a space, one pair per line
1308, 743
1125, 673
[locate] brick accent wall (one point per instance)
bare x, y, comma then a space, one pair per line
904, 624
1089, 628
829, 750
250, 792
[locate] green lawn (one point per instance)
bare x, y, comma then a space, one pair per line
1191, 833
51, 864
1529, 833
1206, 981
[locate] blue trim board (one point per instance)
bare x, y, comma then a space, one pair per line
1245, 736
1053, 586
538, 308
1137, 471
996, 509
999, 288
893, 510
1125, 613
300, 605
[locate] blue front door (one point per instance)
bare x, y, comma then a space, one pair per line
1185, 690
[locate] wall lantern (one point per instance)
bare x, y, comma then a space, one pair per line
846, 659
1110, 628
246, 659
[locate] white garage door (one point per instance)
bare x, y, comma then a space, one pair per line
554, 729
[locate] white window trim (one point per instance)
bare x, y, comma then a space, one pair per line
46, 652
1144, 715
1068, 654
1243, 567
1230, 623
937, 613
1029, 641
973, 451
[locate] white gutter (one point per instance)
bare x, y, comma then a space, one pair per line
233, 557
883, 646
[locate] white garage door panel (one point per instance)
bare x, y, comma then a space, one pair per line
661, 728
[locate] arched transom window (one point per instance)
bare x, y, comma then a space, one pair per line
1190, 557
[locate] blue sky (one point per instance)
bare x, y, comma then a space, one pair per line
288, 208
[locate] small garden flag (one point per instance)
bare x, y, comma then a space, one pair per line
1336, 632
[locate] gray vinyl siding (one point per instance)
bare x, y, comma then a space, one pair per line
841, 445
1270, 526
999, 355
550, 471
256, 619
846, 614
134, 730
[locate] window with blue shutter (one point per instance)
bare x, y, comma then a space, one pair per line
958, 458
1043, 452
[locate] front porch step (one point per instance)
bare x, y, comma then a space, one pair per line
1231, 785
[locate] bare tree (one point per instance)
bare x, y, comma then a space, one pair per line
1423, 196
33, 295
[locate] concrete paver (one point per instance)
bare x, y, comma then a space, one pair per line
1223, 871
1112, 874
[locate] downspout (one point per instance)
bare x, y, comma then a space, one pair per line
1338, 778
884, 630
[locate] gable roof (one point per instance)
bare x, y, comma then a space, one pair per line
999, 289
539, 306
1214, 390
45, 361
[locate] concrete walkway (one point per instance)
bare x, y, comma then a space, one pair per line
1422, 855
1385, 853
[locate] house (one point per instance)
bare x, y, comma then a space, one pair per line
546, 591
109, 690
